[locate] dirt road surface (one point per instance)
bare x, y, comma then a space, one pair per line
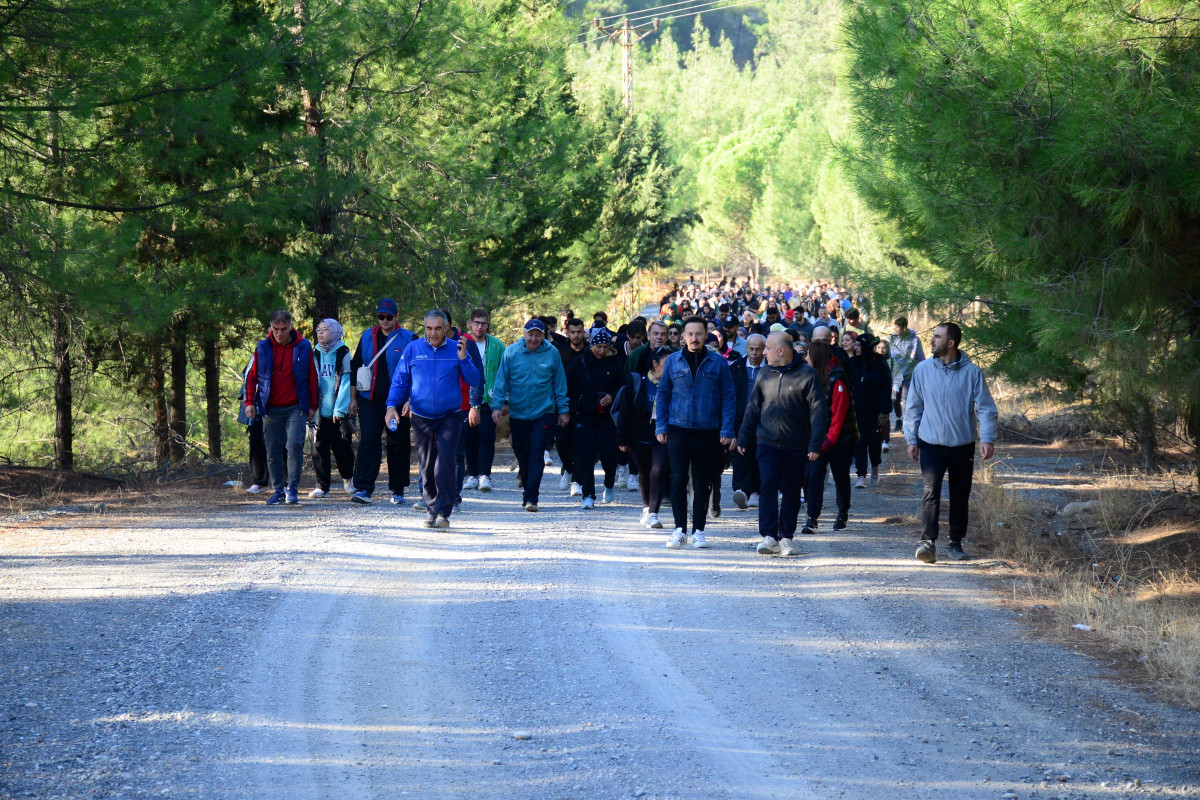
224, 649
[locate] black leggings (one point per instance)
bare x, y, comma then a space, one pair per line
653, 466
869, 444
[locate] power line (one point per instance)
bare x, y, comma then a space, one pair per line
632, 14
714, 6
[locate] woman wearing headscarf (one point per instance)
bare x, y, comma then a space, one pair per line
331, 358
593, 381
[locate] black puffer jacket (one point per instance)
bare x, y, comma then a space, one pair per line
787, 409
588, 379
872, 386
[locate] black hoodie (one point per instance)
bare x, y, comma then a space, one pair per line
787, 409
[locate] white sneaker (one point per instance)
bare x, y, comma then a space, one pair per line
485, 483
564, 480
885, 447
769, 546
254, 489
622, 475
576, 490
739, 500
546, 458
874, 480
698, 541
677, 540
315, 493
752, 501
632, 483
861, 483
652, 521
588, 502
788, 547
645, 515
471, 482
348, 485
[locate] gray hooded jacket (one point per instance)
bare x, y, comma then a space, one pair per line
944, 402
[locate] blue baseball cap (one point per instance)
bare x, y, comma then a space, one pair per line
535, 324
387, 306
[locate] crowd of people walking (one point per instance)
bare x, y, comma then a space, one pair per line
788, 385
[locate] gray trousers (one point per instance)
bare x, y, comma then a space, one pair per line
283, 429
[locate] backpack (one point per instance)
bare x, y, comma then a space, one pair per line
636, 381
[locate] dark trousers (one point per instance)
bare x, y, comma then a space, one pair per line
529, 440
566, 447
869, 446
258, 454
652, 463
284, 430
595, 436
330, 439
480, 443
936, 461
836, 461
370, 448
698, 454
783, 473
747, 475
437, 444
460, 455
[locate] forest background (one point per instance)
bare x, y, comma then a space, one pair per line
174, 172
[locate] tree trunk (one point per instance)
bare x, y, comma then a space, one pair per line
158, 395
212, 396
178, 395
64, 425
1143, 426
325, 294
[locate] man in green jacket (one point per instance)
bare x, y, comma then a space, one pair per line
531, 388
480, 434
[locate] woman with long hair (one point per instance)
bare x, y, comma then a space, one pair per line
837, 451
871, 381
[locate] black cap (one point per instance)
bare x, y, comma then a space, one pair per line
729, 321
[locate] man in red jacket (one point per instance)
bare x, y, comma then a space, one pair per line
281, 388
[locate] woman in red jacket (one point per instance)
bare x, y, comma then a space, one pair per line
837, 451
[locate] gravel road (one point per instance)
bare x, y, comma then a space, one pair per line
225, 649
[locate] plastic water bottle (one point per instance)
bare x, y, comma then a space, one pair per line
393, 423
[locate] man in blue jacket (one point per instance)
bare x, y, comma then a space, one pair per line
695, 413
380, 349
426, 387
531, 388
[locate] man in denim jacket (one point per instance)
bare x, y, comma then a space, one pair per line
694, 417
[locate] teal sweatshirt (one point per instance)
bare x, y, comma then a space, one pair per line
335, 391
533, 384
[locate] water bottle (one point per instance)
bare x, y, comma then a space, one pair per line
393, 423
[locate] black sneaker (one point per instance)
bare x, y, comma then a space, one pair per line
715, 510
839, 524
810, 527
927, 552
899, 427
956, 552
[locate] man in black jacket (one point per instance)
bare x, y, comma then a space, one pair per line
786, 420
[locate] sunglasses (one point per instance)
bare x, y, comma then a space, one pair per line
387, 316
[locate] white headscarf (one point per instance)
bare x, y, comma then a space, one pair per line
335, 328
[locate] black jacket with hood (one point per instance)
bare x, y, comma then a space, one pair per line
787, 409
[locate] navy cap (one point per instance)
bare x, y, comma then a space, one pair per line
387, 306
600, 336
535, 324
729, 321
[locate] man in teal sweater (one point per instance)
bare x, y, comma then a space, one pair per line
531, 388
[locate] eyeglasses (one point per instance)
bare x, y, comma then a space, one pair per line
479, 322
387, 316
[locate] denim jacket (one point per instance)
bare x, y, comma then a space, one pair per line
705, 403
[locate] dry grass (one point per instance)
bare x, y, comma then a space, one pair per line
1126, 567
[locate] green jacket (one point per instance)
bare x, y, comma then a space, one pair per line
491, 363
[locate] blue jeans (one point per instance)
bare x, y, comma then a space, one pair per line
284, 429
437, 445
782, 472
529, 439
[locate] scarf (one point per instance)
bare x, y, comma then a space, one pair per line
335, 328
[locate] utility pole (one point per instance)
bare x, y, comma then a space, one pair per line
627, 36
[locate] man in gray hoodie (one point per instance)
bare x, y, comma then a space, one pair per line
948, 394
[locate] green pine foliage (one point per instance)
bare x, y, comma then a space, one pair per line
1041, 155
